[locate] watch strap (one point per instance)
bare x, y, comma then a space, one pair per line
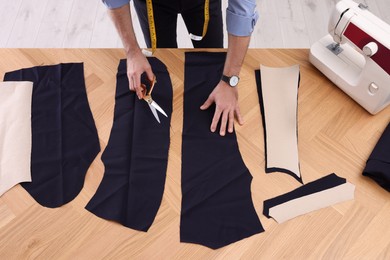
226, 79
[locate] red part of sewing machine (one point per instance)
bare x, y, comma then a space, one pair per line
355, 55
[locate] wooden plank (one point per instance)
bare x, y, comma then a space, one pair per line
373, 231
8, 13
80, 25
52, 28
104, 33
315, 10
26, 26
335, 135
268, 31
6, 215
292, 24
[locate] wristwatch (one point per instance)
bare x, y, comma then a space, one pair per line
232, 81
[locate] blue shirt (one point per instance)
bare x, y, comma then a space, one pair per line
241, 15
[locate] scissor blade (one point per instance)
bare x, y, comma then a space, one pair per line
156, 106
154, 111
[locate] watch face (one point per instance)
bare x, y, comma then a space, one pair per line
233, 81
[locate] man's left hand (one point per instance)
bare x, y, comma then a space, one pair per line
226, 107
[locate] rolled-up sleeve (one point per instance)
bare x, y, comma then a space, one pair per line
241, 17
112, 4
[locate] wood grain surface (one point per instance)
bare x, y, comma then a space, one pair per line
335, 135
80, 24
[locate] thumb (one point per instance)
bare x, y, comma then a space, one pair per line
207, 103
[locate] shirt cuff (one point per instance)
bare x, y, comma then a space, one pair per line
239, 25
112, 4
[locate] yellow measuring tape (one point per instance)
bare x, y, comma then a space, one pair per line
205, 24
152, 27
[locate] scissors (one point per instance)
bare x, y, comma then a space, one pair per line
154, 107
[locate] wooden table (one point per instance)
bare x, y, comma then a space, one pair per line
335, 135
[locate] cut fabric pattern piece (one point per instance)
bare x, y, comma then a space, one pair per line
217, 206
15, 134
378, 164
64, 136
312, 196
278, 95
136, 155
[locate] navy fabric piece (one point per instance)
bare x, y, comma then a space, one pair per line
217, 207
64, 135
324, 183
378, 164
136, 156
260, 93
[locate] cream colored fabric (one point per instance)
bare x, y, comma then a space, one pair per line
280, 94
15, 133
309, 203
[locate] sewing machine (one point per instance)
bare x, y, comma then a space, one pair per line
355, 55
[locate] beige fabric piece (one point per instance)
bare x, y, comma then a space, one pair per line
280, 95
309, 203
15, 133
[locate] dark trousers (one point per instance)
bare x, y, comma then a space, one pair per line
165, 19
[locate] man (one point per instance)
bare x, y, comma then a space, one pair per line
240, 20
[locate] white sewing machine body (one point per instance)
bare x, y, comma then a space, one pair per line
355, 55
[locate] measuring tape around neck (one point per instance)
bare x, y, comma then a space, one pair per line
152, 27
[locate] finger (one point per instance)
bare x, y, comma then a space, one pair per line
224, 121
240, 119
150, 74
137, 86
207, 103
231, 121
214, 123
131, 86
131, 83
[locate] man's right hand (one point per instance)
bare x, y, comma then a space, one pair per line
136, 61
136, 65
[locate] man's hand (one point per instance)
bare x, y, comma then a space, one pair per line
226, 107
136, 61
136, 65
224, 96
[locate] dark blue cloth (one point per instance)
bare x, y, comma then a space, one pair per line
64, 135
378, 164
324, 183
217, 206
136, 156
